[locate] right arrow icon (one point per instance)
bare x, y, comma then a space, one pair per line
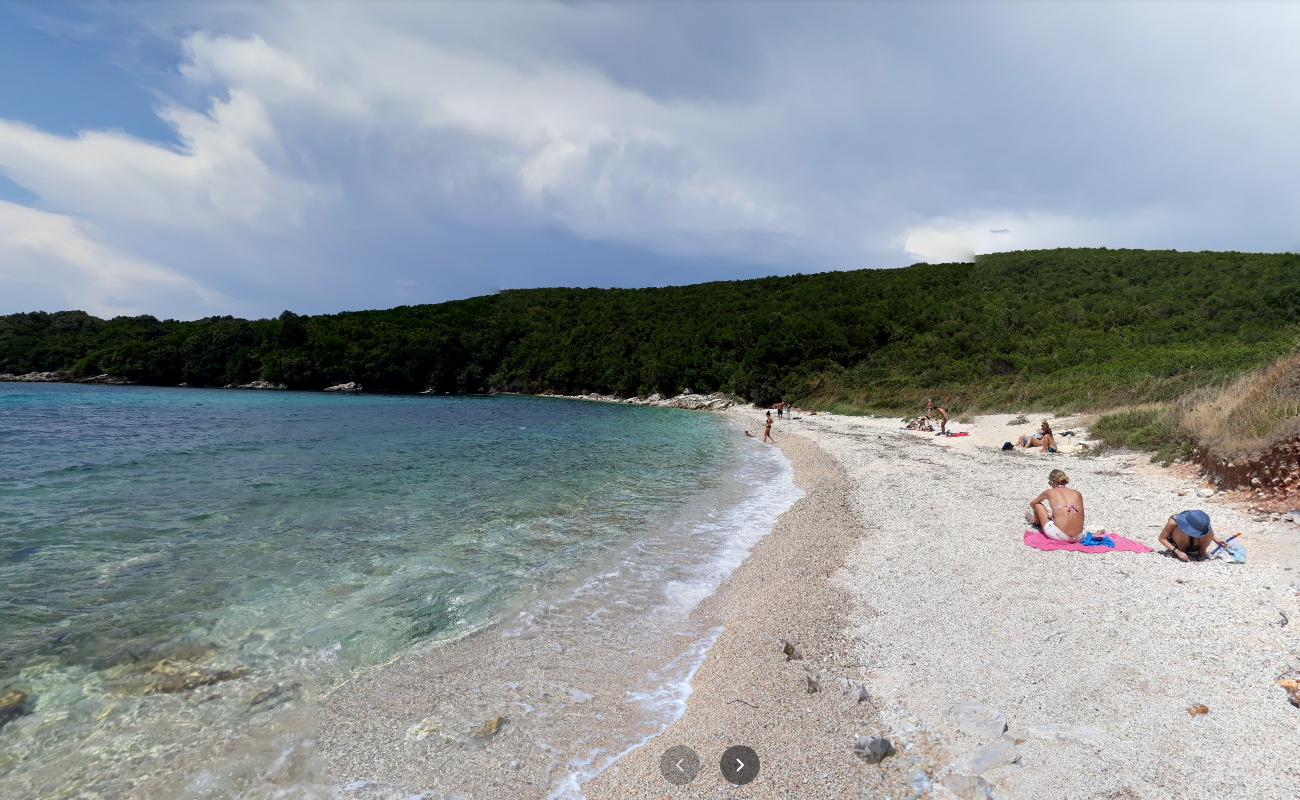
739, 764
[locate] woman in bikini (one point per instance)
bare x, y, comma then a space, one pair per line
1058, 511
767, 430
1044, 439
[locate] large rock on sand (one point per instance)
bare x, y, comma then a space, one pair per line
350, 386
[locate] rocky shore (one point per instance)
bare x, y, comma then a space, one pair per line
688, 400
62, 377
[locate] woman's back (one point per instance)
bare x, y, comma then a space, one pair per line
1067, 509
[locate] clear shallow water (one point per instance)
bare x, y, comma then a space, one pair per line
292, 538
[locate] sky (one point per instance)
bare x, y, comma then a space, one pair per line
192, 159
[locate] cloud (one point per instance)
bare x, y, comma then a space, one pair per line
49, 258
328, 157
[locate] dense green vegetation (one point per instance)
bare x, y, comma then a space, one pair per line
1153, 429
1066, 329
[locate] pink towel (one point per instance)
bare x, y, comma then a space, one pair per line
1037, 539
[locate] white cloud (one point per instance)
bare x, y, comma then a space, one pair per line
948, 239
326, 156
44, 255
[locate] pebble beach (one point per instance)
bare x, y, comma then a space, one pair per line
919, 616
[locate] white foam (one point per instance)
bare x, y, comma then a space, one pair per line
670, 688
733, 532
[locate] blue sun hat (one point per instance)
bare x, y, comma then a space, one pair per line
1193, 523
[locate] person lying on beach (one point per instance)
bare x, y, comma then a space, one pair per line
942, 413
920, 424
1189, 534
1058, 511
1044, 439
767, 430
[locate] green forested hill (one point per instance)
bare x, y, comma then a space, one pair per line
1067, 328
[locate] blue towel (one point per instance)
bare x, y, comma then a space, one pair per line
1092, 541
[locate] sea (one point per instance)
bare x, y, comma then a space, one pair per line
190, 577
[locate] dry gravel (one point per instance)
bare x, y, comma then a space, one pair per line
952, 608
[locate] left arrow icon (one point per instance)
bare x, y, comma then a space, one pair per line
679, 765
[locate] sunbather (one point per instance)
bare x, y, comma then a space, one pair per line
1043, 439
1189, 535
1058, 511
920, 424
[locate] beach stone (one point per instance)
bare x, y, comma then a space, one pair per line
172, 678
811, 686
1080, 734
280, 693
424, 729
967, 787
791, 654
873, 749
490, 727
1205, 493
859, 693
977, 719
12, 706
997, 753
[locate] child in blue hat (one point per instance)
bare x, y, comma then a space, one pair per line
1188, 534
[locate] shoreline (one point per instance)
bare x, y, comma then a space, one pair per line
801, 715
539, 701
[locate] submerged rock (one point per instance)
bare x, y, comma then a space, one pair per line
172, 678
12, 706
490, 728
276, 695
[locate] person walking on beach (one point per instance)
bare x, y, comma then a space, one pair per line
767, 430
931, 411
1189, 534
1058, 511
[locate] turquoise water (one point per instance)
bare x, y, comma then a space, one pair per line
292, 538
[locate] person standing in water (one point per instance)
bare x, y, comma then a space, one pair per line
767, 430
